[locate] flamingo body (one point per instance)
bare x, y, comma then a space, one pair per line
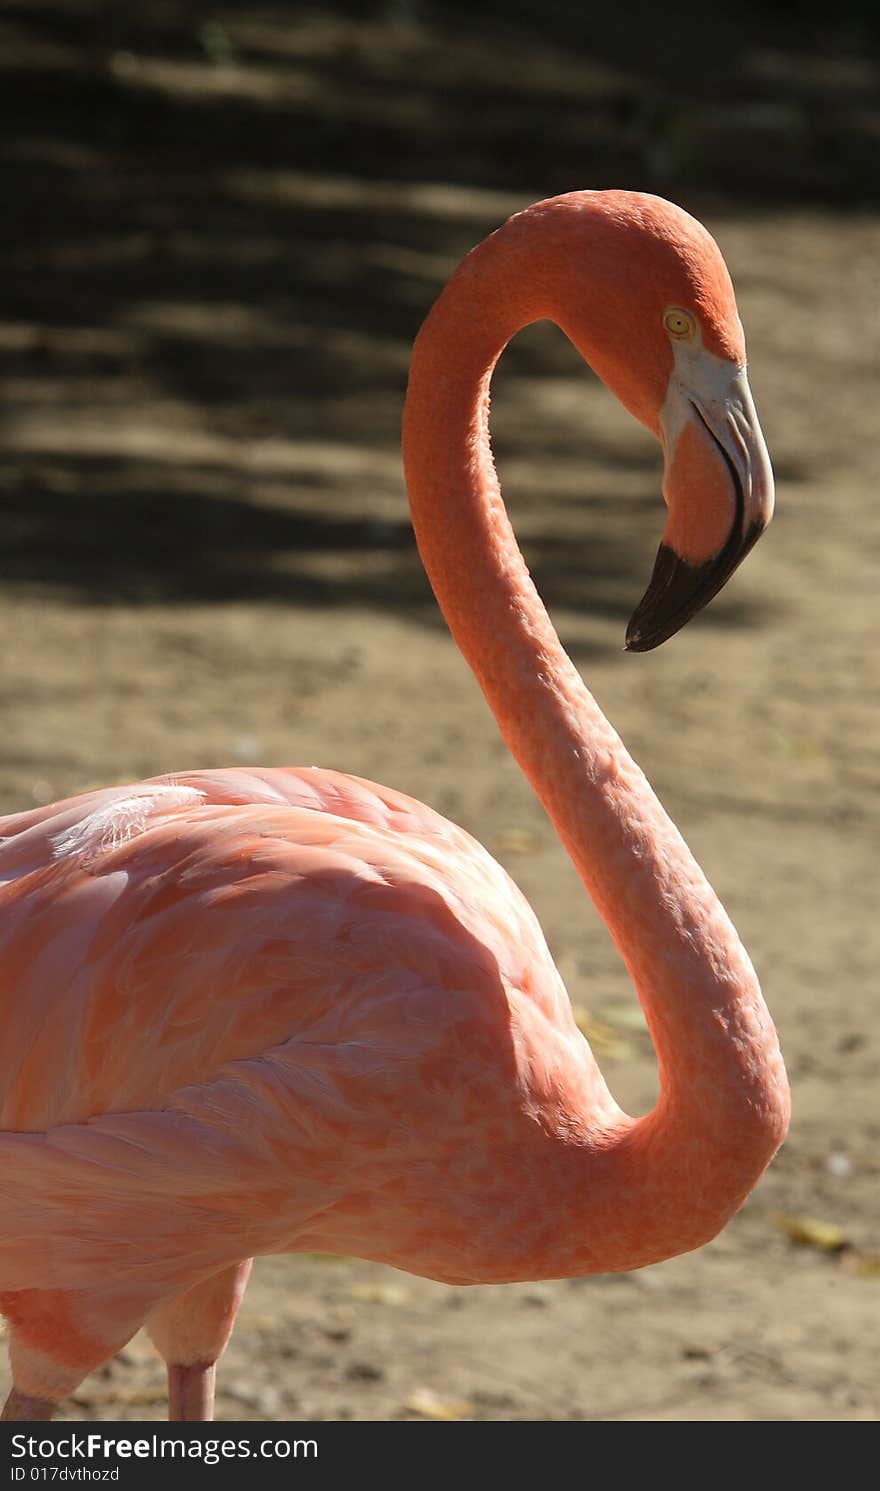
351, 981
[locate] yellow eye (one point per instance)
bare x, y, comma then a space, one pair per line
679, 324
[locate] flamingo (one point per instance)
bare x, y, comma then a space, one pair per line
264, 1011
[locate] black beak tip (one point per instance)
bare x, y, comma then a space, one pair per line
636, 642
678, 590
666, 604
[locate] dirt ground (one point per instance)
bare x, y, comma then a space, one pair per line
207, 561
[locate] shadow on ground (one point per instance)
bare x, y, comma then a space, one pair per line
224, 226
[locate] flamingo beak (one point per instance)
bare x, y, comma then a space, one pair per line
718, 487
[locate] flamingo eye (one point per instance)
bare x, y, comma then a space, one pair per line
679, 324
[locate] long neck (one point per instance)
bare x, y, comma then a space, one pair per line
718, 1057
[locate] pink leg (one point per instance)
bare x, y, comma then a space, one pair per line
20, 1409
191, 1393
190, 1332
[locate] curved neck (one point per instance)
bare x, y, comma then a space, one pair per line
716, 1047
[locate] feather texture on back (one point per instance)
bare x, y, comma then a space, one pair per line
229, 977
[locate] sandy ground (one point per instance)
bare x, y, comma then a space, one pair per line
208, 561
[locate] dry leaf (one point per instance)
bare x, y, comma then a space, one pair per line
429, 1405
380, 1294
625, 1017
807, 1232
516, 841
604, 1040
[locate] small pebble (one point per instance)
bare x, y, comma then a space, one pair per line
364, 1372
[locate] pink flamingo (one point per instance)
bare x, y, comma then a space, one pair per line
264, 1011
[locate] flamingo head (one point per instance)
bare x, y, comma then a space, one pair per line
660, 327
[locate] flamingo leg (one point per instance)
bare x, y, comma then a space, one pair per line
21, 1409
190, 1331
191, 1392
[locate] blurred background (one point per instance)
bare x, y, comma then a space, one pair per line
223, 225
